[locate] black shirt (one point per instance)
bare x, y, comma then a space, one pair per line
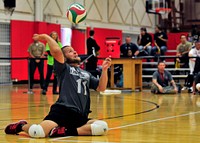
125, 47
91, 43
145, 39
74, 84
160, 42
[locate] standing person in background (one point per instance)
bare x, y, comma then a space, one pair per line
50, 66
128, 47
92, 45
160, 40
36, 50
144, 42
194, 64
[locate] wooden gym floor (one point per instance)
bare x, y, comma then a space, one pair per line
132, 117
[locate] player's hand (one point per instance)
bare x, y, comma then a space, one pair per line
38, 37
176, 90
160, 36
160, 89
37, 61
106, 64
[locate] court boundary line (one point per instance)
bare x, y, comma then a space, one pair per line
155, 120
129, 125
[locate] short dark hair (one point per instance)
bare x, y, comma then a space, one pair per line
91, 33
143, 29
160, 62
159, 27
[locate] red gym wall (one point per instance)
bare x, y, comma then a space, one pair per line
21, 38
101, 34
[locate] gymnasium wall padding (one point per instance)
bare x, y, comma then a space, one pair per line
21, 37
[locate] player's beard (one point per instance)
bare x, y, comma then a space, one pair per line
73, 61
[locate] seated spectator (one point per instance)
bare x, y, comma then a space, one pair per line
161, 79
160, 40
128, 47
144, 42
129, 50
182, 51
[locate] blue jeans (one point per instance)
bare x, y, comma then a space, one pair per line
148, 49
163, 50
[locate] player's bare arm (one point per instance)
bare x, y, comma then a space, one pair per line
104, 75
55, 50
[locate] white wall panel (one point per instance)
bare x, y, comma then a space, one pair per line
128, 15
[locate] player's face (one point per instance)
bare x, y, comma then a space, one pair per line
183, 39
128, 40
142, 32
161, 66
197, 45
71, 55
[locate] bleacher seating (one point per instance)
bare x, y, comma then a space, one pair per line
177, 73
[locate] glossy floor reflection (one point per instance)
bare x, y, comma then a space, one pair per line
132, 117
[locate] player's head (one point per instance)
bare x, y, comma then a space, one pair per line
54, 35
161, 66
91, 33
128, 40
70, 55
143, 30
197, 45
158, 28
183, 38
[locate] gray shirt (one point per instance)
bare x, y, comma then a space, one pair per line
167, 77
37, 49
74, 84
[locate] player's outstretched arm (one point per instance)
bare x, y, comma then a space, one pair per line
104, 75
55, 50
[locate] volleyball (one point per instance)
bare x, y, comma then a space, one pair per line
76, 13
198, 86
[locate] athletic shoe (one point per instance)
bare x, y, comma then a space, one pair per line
190, 90
184, 88
43, 92
15, 128
55, 92
57, 132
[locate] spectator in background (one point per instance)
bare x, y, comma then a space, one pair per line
128, 48
182, 51
194, 65
194, 52
195, 33
160, 40
50, 66
36, 50
92, 45
161, 79
144, 42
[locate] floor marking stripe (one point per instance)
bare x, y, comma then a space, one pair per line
119, 127
150, 121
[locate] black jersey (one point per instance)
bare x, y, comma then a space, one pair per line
160, 42
74, 84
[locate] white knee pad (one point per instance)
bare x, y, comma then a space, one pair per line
99, 128
36, 131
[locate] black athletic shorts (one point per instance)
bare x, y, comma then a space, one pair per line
66, 117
